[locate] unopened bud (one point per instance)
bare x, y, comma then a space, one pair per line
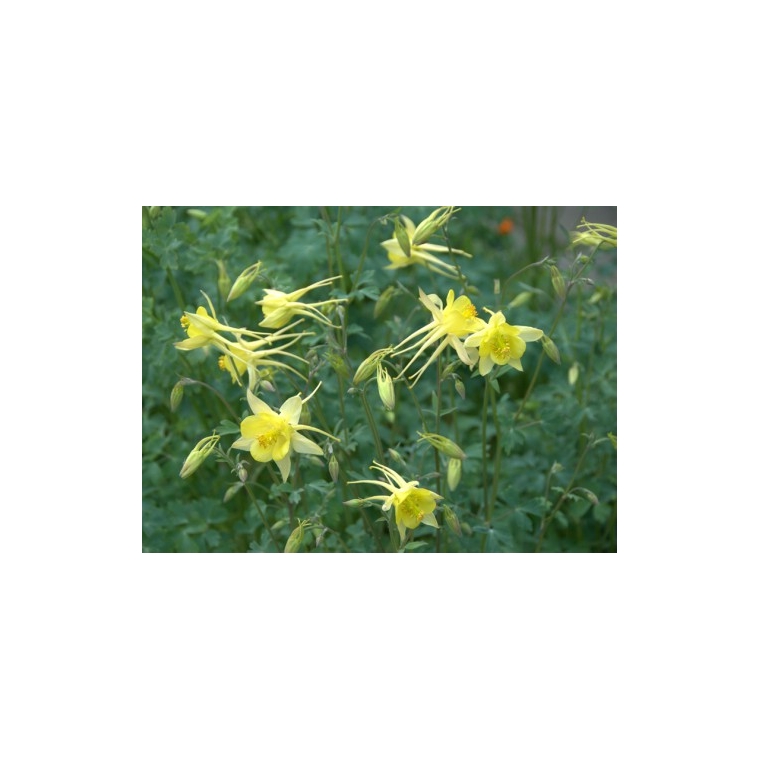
402, 237
154, 211
428, 227
443, 444
338, 363
333, 468
459, 385
454, 473
383, 301
295, 539
196, 213
520, 299
558, 282
496, 287
556, 467
451, 519
367, 368
572, 375
354, 502
242, 472
176, 396
222, 280
196, 457
550, 349
244, 281
385, 388
231, 491
586, 494
396, 456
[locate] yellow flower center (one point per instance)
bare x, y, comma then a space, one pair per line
470, 311
184, 321
410, 509
267, 440
222, 362
499, 346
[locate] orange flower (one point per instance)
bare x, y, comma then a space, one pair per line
506, 226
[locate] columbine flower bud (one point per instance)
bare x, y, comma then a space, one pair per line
385, 388
450, 517
354, 502
572, 375
197, 213
231, 491
296, 538
443, 444
367, 367
244, 281
395, 456
222, 280
428, 227
384, 300
591, 234
454, 473
550, 349
459, 385
402, 236
558, 282
176, 397
242, 472
195, 458
520, 299
333, 468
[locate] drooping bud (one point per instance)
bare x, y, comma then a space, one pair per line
231, 491
572, 375
454, 473
354, 502
383, 301
385, 388
244, 281
586, 494
520, 299
333, 468
443, 444
550, 349
197, 213
222, 280
196, 457
176, 396
459, 385
402, 237
451, 519
558, 282
395, 456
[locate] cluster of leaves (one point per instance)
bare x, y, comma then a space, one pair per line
540, 471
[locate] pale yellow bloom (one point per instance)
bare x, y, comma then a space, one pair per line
412, 505
420, 253
271, 436
500, 343
280, 308
450, 323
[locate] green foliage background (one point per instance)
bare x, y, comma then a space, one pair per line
557, 474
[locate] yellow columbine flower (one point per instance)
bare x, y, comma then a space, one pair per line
419, 253
279, 308
450, 323
203, 329
498, 342
412, 505
248, 356
270, 436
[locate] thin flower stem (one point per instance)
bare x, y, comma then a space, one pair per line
373, 427
435, 450
545, 522
249, 491
484, 440
560, 311
235, 416
497, 455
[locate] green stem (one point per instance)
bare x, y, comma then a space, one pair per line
563, 496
